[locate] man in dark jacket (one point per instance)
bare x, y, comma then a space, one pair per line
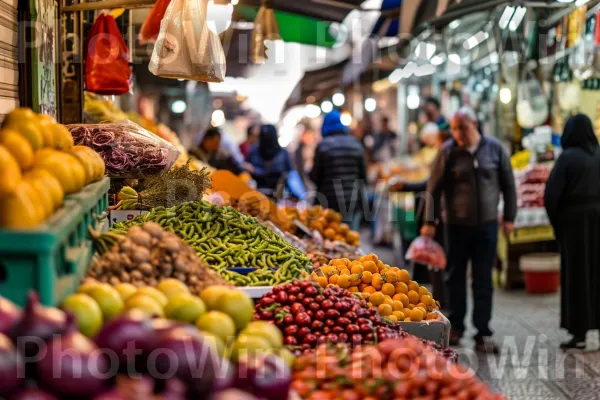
339, 171
471, 171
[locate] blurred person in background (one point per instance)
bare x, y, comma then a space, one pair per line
339, 171
211, 151
572, 200
384, 148
268, 163
470, 172
433, 111
305, 153
252, 136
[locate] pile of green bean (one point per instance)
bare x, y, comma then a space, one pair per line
225, 238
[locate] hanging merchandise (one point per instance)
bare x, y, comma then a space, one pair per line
151, 27
107, 67
532, 105
583, 56
265, 28
186, 48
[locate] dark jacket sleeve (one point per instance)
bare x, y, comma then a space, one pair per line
416, 187
554, 190
316, 173
435, 188
507, 185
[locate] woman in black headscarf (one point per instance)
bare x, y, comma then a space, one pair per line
268, 163
573, 204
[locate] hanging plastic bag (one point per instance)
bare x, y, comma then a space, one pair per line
424, 250
186, 48
107, 69
151, 27
532, 104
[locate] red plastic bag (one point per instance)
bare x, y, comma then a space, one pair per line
424, 250
151, 27
107, 69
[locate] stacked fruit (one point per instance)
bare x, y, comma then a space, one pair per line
394, 369
388, 289
326, 221
38, 166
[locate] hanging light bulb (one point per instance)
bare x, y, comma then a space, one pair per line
505, 95
218, 16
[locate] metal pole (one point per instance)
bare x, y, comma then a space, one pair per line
402, 117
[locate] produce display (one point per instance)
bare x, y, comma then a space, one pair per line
387, 289
128, 150
39, 166
145, 255
401, 368
225, 238
531, 186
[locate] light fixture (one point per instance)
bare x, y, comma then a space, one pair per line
505, 95
413, 101
370, 104
338, 99
181, 80
518, 18
580, 3
218, 16
396, 76
178, 106
454, 24
475, 40
424, 50
346, 118
438, 59
454, 59
312, 111
506, 17
218, 118
327, 106
424, 70
235, 2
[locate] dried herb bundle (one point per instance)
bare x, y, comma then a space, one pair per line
174, 187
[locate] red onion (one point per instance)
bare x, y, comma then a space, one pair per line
38, 322
12, 368
33, 394
9, 315
73, 366
266, 376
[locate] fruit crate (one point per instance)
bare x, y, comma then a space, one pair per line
438, 331
53, 257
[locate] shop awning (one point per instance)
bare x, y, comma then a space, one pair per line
323, 10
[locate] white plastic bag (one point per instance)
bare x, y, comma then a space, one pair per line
186, 48
532, 105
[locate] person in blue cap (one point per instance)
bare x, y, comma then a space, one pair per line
339, 171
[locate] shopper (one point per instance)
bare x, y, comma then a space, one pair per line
268, 163
384, 148
433, 112
339, 171
252, 135
470, 172
572, 201
211, 152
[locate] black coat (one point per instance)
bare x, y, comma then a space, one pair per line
572, 201
339, 173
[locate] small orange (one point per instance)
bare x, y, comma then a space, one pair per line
392, 318
399, 315
402, 298
413, 297
406, 311
391, 276
407, 320
388, 300
388, 289
427, 300
322, 281
421, 305
412, 285
362, 287
416, 315
395, 269
332, 286
345, 271
333, 279
385, 310
355, 279
344, 281
370, 305
365, 295
314, 275
369, 257
370, 266
423, 291
431, 316
403, 276
377, 282
346, 261
401, 287
380, 265
367, 277
356, 269
397, 305
353, 289
377, 298
369, 290
329, 233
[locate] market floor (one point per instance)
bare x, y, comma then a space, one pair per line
530, 366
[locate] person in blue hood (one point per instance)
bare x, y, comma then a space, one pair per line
339, 171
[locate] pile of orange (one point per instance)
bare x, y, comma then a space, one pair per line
387, 288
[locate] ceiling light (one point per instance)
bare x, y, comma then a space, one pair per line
178, 107
218, 118
476, 39
454, 24
424, 50
346, 118
370, 104
396, 76
506, 16
580, 3
338, 99
235, 2
438, 59
424, 70
454, 59
518, 18
327, 106
505, 95
413, 101
312, 111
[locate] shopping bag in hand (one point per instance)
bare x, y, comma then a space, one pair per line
151, 27
107, 69
424, 250
186, 48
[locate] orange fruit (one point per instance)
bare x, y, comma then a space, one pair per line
314, 275
403, 276
399, 315
416, 315
362, 287
333, 279
345, 271
377, 282
370, 305
423, 291
384, 310
402, 298
392, 318
329, 233
397, 305
377, 298
369, 290
344, 281
370, 266
322, 281
413, 297
369, 257
421, 305
332, 285
356, 269
395, 269
407, 320
391, 276
353, 289
365, 295
412, 285
406, 312
427, 300
367, 277
388, 289
431, 316
380, 265
355, 279
329, 270
401, 287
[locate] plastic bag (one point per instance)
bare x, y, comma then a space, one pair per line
532, 105
128, 150
424, 250
186, 48
151, 27
107, 69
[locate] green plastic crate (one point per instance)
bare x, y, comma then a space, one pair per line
53, 257
406, 222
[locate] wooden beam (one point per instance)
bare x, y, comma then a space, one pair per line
109, 4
